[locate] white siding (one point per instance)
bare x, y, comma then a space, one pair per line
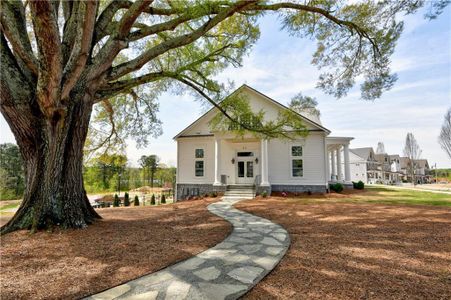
279, 156
357, 167
186, 159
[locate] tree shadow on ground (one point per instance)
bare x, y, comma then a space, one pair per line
129, 242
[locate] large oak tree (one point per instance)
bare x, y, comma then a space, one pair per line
62, 61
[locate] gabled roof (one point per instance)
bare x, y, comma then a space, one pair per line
363, 152
245, 86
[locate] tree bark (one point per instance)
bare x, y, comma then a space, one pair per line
55, 195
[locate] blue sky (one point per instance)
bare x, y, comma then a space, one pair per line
279, 66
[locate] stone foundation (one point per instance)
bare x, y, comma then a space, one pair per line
260, 189
185, 190
299, 188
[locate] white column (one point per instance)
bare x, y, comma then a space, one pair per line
217, 161
264, 162
334, 166
347, 166
339, 177
327, 165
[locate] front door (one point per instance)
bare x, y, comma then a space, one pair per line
245, 170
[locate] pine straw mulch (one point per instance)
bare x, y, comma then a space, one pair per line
127, 243
357, 251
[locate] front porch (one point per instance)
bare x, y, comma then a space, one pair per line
240, 161
337, 158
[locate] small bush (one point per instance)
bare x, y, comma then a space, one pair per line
163, 199
359, 185
337, 187
136, 201
264, 194
126, 199
213, 194
152, 200
116, 201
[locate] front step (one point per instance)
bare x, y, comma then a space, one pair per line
240, 191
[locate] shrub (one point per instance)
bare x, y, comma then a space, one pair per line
116, 201
359, 185
152, 200
264, 194
163, 199
337, 187
136, 201
213, 194
126, 199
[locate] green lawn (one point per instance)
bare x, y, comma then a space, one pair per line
400, 196
378, 195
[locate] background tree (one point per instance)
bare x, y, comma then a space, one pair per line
304, 104
149, 164
413, 152
380, 148
70, 59
12, 172
444, 138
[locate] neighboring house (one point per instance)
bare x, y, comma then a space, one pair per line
388, 167
209, 161
421, 169
364, 165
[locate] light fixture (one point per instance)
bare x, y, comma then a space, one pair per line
233, 161
256, 160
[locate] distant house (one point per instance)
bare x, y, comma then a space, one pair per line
213, 161
364, 165
421, 169
385, 168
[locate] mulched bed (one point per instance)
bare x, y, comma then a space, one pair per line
357, 251
127, 243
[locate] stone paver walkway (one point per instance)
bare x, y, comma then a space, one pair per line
226, 271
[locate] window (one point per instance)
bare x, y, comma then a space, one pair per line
199, 168
296, 151
199, 153
297, 169
199, 164
297, 164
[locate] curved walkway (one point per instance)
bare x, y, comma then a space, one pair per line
226, 271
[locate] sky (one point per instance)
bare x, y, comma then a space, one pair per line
279, 66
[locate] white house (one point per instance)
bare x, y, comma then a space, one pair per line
210, 161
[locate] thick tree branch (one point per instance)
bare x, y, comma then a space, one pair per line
176, 42
80, 51
16, 94
126, 22
72, 17
14, 26
124, 86
50, 60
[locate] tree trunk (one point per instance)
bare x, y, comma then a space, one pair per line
54, 194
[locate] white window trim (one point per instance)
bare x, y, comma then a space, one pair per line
296, 157
202, 160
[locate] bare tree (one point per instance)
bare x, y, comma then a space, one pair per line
413, 152
444, 138
70, 60
380, 148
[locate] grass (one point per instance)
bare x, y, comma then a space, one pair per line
392, 196
9, 206
379, 195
